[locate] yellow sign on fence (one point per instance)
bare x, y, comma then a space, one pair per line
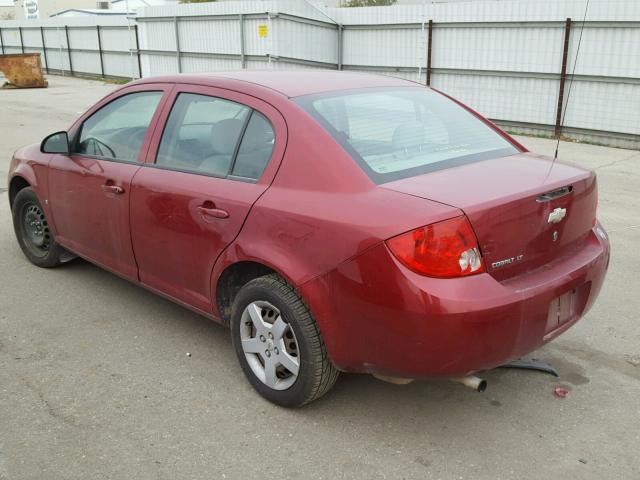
263, 31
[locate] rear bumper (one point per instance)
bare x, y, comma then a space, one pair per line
376, 316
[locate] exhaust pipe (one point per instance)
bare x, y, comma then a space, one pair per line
471, 381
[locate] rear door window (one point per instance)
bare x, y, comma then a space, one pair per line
202, 134
255, 149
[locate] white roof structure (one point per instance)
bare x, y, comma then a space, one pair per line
87, 12
117, 7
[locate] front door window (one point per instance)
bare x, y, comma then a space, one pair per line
117, 130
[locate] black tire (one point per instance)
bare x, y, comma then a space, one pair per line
316, 373
41, 249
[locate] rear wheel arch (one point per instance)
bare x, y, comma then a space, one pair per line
235, 275
232, 279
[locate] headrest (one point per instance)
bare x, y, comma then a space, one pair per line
258, 140
224, 135
259, 134
408, 135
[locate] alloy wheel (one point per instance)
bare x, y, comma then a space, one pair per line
269, 345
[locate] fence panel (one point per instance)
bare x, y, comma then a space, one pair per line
121, 64
294, 39
512, 99
72, 45
392, 47
254, 43
499, 48
85, 38
120, 38
11, 40
504, 59
206, 63
158, 64
210, 36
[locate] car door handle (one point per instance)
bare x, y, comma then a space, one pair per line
212, 211
108, 188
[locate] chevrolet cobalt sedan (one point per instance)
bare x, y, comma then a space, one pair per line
335, 221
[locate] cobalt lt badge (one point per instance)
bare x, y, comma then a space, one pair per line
557, 215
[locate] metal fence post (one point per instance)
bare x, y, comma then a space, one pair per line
178, 60
563, 77
429, 50
21, 41
138, 51
340, 46
100, 50
44, 50
243, 60
66, 32
1, 41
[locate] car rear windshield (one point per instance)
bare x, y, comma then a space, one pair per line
396, 133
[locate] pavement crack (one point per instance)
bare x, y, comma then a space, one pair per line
52, 410
616, 162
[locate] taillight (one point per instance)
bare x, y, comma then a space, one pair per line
445, 249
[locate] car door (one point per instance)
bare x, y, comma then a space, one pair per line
217, 153
90, 188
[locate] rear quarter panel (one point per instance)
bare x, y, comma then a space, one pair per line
321, 210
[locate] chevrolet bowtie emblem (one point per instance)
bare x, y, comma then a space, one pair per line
557, 215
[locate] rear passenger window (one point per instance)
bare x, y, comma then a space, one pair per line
256, 147
201, 134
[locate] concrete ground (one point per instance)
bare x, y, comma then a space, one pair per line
95, 381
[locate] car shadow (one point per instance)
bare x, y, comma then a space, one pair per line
440, 403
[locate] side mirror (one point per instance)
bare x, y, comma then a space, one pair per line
56, 143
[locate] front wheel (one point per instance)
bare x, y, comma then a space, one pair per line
33, 233
278, 343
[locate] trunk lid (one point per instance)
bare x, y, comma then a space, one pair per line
525, 209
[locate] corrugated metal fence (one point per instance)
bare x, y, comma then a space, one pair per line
512, 60
76, 46
235, 35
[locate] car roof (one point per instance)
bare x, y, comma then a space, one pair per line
290, 83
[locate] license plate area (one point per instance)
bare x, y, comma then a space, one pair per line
567, 307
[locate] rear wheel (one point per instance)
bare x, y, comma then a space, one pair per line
33, 233
278, 343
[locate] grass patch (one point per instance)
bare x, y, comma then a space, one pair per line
564, 138
548, 136
116, 81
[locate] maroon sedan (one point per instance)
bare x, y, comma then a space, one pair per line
336, 222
